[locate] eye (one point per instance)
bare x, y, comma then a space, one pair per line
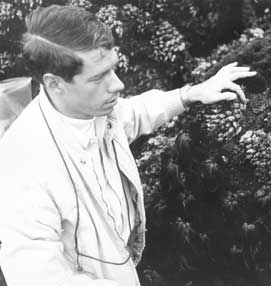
97, 78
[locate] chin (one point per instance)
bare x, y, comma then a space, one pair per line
109, 110
105, 112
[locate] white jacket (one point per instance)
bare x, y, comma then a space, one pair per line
38, 210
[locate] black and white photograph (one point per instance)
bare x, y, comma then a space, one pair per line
135, 143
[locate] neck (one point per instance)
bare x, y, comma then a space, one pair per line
61, 106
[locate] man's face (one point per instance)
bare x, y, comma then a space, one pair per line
94, 91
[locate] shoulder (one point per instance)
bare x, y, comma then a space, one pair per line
25, 144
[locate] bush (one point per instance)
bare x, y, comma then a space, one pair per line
156, 38
206, 177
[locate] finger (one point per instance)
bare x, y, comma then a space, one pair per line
239, 69
227, 95
224, 68
232, 70
237, 89
237, 75
234, 64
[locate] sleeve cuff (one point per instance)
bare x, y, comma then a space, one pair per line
182, 92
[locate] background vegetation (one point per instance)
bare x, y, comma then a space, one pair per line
207, 173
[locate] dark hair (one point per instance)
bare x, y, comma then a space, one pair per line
54, 33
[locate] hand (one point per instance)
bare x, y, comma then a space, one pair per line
219, 87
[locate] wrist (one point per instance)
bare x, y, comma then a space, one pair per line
185, 96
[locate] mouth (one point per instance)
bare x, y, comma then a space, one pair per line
114, 100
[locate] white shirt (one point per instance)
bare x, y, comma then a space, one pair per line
82, 133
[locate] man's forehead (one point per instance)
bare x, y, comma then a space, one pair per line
99, 58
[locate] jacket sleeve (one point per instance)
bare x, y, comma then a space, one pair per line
143, 113
32, 252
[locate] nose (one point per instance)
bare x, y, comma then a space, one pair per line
116, 84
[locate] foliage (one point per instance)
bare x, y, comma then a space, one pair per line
155, 38
207, 186
139, 38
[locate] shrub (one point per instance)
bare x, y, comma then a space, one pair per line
155, 38
207, 181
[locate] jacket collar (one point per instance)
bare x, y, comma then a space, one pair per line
104, 126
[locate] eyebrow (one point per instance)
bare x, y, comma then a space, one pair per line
100, 75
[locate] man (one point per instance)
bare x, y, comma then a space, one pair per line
71, 202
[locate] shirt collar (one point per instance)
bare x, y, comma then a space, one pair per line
68, 129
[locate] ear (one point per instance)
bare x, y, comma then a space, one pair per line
54, 83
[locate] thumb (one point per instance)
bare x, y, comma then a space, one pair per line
227, 95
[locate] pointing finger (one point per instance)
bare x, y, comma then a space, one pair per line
237, 75
240, 69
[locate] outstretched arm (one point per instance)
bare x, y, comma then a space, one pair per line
143, 113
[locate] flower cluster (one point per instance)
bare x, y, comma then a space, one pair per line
28, 3
169, 126
5, 61
149, 162
109, 15
143, 19
167, 42
202, 66
86, 4
18, 9
222, 50
6, 12
160, 5
256, 32
257, 147
25, 6
223, 120
160, 142
149, 168
123, 61
244, 38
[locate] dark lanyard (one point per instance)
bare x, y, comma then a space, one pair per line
2, 279
79, 267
